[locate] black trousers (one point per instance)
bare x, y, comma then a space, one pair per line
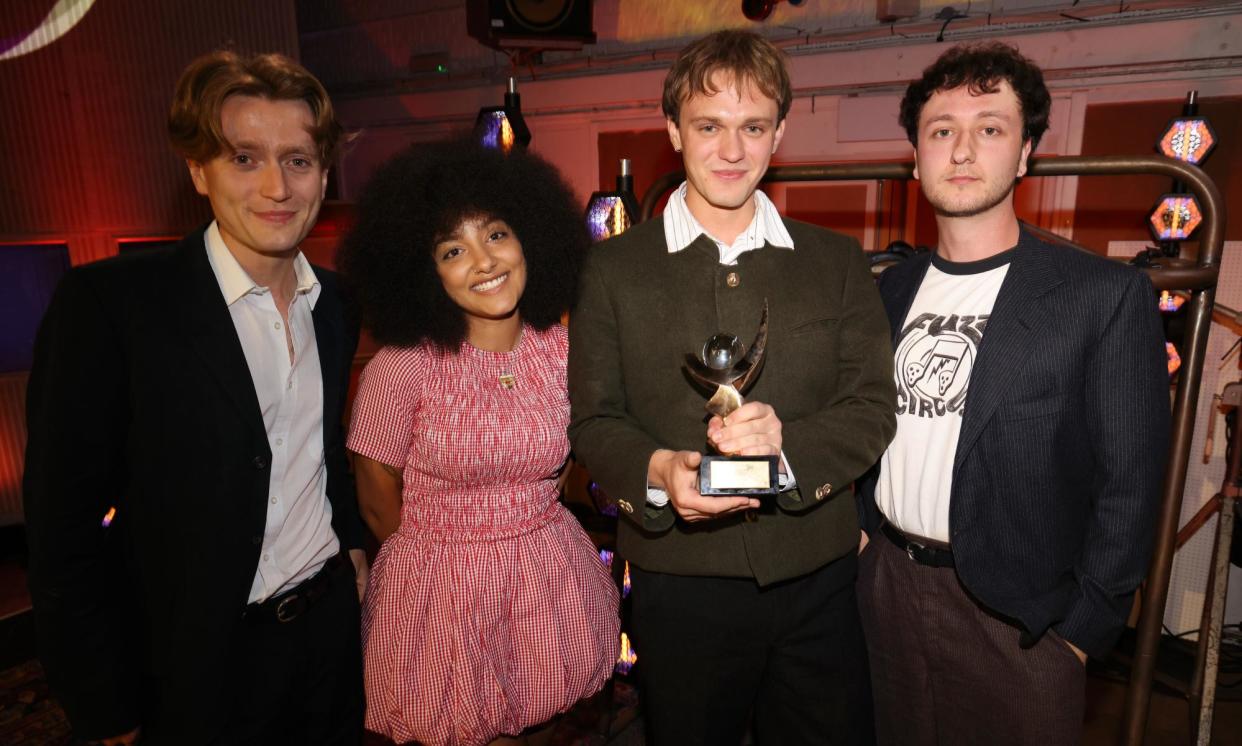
301, 682
718, 654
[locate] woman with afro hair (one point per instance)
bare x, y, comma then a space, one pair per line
488, 610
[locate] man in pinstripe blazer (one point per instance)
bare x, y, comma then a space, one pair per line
1010, 520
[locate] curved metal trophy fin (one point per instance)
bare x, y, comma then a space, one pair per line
709, 377
703, 374
753, 362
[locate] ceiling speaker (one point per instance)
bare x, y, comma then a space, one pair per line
542, 24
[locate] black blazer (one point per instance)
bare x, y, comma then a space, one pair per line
1056, 479
140, 398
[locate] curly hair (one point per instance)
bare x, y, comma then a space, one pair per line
424, 193
982, 67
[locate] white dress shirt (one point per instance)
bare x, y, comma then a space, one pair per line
298, 537
681, 228
766, 227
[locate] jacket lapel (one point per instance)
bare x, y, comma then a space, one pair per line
1007, 340
329, 338
898, 291
210, 330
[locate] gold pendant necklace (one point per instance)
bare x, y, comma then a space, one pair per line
508, 379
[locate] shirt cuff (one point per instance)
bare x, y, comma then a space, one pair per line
786, 480
656, 497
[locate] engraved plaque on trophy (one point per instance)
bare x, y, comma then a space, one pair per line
727, 368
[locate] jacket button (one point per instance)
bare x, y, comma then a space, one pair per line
259, 462
732, 280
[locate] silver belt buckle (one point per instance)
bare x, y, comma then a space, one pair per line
287, 610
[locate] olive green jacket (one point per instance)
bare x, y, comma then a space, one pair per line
828, 375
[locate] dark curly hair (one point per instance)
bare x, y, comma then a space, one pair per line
982, 67
386, 261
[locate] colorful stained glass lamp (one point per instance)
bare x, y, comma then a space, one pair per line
1188, 139
612, 213
1175, 217
502, 127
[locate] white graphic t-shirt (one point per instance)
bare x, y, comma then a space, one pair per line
934, 357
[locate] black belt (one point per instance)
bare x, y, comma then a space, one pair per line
922, 551
295, 602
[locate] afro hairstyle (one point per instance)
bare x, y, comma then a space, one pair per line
386, 260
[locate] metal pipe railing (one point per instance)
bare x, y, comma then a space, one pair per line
1200, 279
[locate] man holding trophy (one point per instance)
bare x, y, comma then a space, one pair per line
744, 608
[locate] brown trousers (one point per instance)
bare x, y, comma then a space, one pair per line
947, 672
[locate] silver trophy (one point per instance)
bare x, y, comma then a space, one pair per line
729, 368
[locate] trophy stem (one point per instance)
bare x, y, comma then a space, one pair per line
725, 401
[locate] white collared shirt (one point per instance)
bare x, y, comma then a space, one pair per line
298, 537
681, 228
766, 227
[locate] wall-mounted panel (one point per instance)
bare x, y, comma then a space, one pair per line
29, 274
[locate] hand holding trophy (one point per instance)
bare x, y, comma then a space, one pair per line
728, 367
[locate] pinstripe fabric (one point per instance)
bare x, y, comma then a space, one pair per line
489, 610
680, 228
1057, 472
946, 672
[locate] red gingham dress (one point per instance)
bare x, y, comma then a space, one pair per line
489, 610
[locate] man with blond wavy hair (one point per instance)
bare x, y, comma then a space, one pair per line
198, 390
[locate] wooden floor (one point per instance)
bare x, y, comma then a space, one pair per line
1167, 725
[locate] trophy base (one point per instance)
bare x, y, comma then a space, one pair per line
722, 476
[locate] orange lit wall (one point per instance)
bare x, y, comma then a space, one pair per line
1117, 210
